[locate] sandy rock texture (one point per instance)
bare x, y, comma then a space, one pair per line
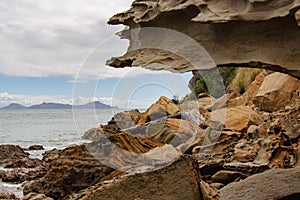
179, 180
253, 33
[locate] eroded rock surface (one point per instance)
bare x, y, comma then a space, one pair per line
273, 184
75, 169
251, 33
12, 156
179, 180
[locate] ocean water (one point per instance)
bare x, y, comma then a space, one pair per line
52, 128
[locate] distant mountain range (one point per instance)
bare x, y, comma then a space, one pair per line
91, 105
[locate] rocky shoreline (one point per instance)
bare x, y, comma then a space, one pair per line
177, 151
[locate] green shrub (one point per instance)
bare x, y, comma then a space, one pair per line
213, 81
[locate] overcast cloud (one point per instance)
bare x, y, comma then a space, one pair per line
52, 37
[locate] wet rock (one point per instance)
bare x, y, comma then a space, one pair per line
36, 147
277, 91
25, 163
162, 108
272, 184
11, 153
75, 169
36, 196
7, 196
156, 184
19, 175
12, 156
2, 173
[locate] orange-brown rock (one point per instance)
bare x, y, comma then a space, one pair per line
178, 180
277, 91
167, 131
128, 142
208, 192
247, 98
226, 177
125, 119
246, 151
237, 118
162, 108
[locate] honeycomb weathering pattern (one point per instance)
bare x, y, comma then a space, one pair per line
243, 33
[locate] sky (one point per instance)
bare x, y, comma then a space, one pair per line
55, 51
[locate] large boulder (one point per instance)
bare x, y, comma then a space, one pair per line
238, 118
167, 131
161, 108
272, 184
122, 120
125, 119
277, 91
179, 180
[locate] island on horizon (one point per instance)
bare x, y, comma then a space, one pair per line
50, 105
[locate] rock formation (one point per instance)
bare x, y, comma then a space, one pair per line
74, 169
12, 156
276, 92
179, 180
249, 33
279, 183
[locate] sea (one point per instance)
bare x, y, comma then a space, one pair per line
51, 128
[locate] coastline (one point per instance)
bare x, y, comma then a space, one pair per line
165, 139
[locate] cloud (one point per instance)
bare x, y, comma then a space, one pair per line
54, 37
28, 100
